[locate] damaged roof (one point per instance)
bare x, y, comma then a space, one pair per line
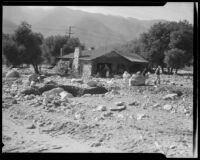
93, 54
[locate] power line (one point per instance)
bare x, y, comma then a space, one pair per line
69, 32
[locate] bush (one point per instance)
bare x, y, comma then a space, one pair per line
62, 68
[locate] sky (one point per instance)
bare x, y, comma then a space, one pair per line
172, 11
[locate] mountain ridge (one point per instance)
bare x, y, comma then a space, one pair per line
93, 29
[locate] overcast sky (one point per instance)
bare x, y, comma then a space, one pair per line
172, 11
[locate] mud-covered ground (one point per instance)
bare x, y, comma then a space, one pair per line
143, 124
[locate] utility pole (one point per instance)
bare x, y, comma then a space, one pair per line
70, 31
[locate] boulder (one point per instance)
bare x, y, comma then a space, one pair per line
134, 103
33, 83
101, 108
137, 80
170, 96
119, 103
92, 83
118, 108
53, 92
13, 74
34, 77
179, 93
14, 101
65, 95
77, 81
126, 75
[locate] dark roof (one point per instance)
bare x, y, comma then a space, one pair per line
93, 54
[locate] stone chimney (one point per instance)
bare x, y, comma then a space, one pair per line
77, 54
61, 52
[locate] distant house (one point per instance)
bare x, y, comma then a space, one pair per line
91, 62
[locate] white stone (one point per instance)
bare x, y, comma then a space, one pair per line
126, 75
65, 94
73, 80
170, 96
167, 107
53, 92
156, 105
32, 84
101, 108
140, 116
118, 108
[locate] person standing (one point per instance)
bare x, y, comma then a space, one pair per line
157, 72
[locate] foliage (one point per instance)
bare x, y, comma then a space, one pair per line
62, 67
174, 58
23, 46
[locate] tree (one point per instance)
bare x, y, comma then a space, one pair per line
23, 46
174, 59
31, 45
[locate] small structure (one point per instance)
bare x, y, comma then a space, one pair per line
103, 61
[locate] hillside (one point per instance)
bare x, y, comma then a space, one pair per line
92, 29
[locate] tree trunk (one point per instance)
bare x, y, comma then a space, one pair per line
171, 70
36, 68
176, 71
168, 68
162, 68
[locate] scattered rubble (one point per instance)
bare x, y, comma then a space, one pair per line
91, 114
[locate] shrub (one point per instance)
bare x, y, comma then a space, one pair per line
62, 68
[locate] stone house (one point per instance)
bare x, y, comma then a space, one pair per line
91, 62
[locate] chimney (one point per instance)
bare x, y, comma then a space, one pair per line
77, 54
61, 52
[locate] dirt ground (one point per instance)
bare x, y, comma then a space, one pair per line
142, 125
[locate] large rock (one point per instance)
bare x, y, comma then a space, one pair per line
101, 108
118, 108
55, 91
65, 95
137, 80
92, 83
13, 74
126, 75
119, 103
77, 81
34, 77
170, 96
